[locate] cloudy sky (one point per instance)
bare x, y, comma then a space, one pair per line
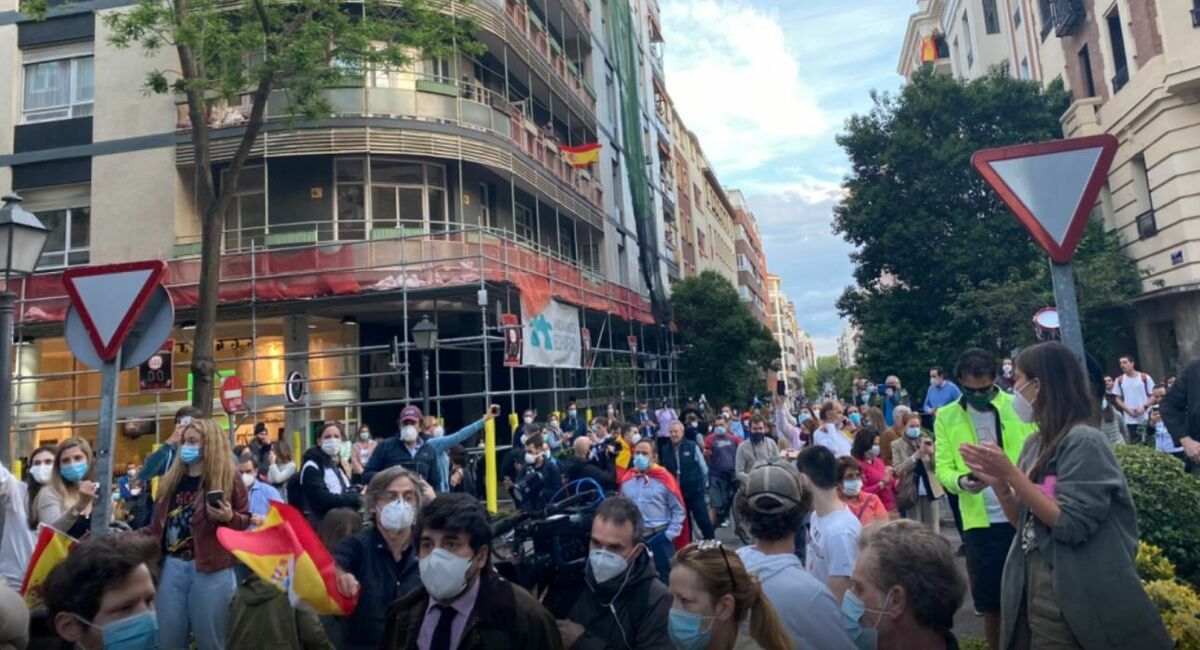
767, 85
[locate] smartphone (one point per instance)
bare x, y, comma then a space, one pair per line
214, 497
185, 420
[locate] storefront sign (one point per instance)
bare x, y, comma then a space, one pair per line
154, 374
511, 326
552, 338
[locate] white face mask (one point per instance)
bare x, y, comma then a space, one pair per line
637, 437
135, 491
444, 574
331, 446
247, 479
606, 565
530, 458
1022, 406
528, 420
41, 473
408, 433
396, 516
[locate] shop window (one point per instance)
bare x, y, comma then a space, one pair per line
59, 83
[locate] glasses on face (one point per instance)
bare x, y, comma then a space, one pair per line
978, 392
715, 544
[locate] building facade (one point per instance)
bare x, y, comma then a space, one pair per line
751, 261
434, 191
966, 38
847, 345
789, 337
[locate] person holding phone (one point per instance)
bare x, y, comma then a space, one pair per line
67, 505
161, 459
199, 494
918, 489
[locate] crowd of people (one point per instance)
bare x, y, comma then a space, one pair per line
837, 507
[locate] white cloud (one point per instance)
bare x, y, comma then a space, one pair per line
825, 346
805, 187
737, 84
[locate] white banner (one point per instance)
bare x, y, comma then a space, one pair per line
551, 338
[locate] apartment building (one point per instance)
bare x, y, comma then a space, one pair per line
788, 335
751, 260
847, 346
435, 191
968, 37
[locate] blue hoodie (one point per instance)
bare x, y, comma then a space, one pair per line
810, 613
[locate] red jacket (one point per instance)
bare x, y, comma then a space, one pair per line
873, 473
210, 555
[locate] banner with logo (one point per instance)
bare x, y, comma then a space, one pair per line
551, 339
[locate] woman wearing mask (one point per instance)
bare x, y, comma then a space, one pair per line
67, 505
918, 490
199, 494
893, 433
1070, 579
1112, 421
717, 605
877, 477
323, 482
360, 453
281, 466
380, 563
41, 468
864, 505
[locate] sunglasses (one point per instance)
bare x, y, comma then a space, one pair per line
715, 544
980, 392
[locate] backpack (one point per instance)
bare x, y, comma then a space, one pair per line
295, 491
1145, 384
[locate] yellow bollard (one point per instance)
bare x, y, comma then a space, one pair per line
17, 465
489, 465
154, 481
512, 423
297, 451
587, 424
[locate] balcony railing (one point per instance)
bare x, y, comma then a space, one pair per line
466, 104
538, 36
1147, 224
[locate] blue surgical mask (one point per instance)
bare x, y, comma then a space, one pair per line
641, 463
913, 432
687, 630
853, 609
75, 472
719, 430
856, 418
852, 487
804, 417
189, 454
137, 632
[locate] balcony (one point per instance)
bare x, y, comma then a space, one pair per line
538, 37
465, 104
1069, 15
1147, 224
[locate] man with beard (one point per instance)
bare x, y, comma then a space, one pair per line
624, 606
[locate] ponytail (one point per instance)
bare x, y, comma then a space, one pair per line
765, 626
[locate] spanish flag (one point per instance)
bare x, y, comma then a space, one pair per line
662, 475
52, 548
928, 50
583, 155
285, 552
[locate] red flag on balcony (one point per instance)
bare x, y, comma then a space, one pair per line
583, 155
928, 50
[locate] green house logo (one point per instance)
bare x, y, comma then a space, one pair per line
540, 333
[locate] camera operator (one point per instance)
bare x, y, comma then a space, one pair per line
540, 478
624, 606
512, 467
601, 446
581, 466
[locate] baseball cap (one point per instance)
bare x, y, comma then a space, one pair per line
774, 487
410, 412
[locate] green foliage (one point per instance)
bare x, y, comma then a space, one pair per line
609, 384
724, 348
962, 270
1179, 607
1152, 564
973, 643
1166, 499
828, 368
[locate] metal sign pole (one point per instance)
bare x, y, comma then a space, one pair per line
110, 374
1063, 278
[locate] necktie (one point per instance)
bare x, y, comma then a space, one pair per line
441, 633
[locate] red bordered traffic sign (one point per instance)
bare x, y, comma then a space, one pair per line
109, 298
1050, 186
232, 394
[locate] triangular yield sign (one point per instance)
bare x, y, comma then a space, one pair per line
1050, 186
110, 299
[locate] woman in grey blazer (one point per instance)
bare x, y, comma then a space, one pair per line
1070, 579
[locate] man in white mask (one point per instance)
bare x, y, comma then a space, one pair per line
462, 603
261, 494
406, 449
624, 604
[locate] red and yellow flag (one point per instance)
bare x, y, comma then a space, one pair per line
928, 50
52, 548
286, 552
583, 155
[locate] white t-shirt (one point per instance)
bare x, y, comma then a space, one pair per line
832, 545
1135, 393
832, 438
985, 428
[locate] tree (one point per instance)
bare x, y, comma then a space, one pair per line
828, 369
228, 50
941, 264
725, 349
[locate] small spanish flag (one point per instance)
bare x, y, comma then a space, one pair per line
52, 548
583, 155
928, 50
286, 552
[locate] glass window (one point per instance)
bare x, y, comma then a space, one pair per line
70, 237
351, 212
246, 216
437, 210
398, 173
383, 207
412, 214
58, 89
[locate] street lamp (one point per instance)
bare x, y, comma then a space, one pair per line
425, 337
22, 238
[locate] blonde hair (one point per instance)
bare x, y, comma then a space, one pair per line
70, 494
217, 455
716, 567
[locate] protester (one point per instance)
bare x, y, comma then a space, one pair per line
262, 616
1163, 441
830, 434
624, 604
717, 605
360, 452
734, 425
140, 506
259, 494
1070, 579
161, 459
405, 449
1005, 381
878, 478
893, 395
281, 465
906, 590
67, 505
198, 494
260, 444
541, 479
380, 563
462, 479
721, 450
338, 525
574, 423
647, 422
1181, 411
918, 490
658, 497
984, 415
14, 619
38, 475
103, 594
895, 432
788, 430
1133, 393
665, 416
123, 482
865, 506
832, 545
628, 435
323, 483
685, 461
942, 392
462, 603
1112, 422
772, 505
757, 448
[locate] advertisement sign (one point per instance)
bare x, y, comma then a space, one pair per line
511, 326
552, 338
154, 374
